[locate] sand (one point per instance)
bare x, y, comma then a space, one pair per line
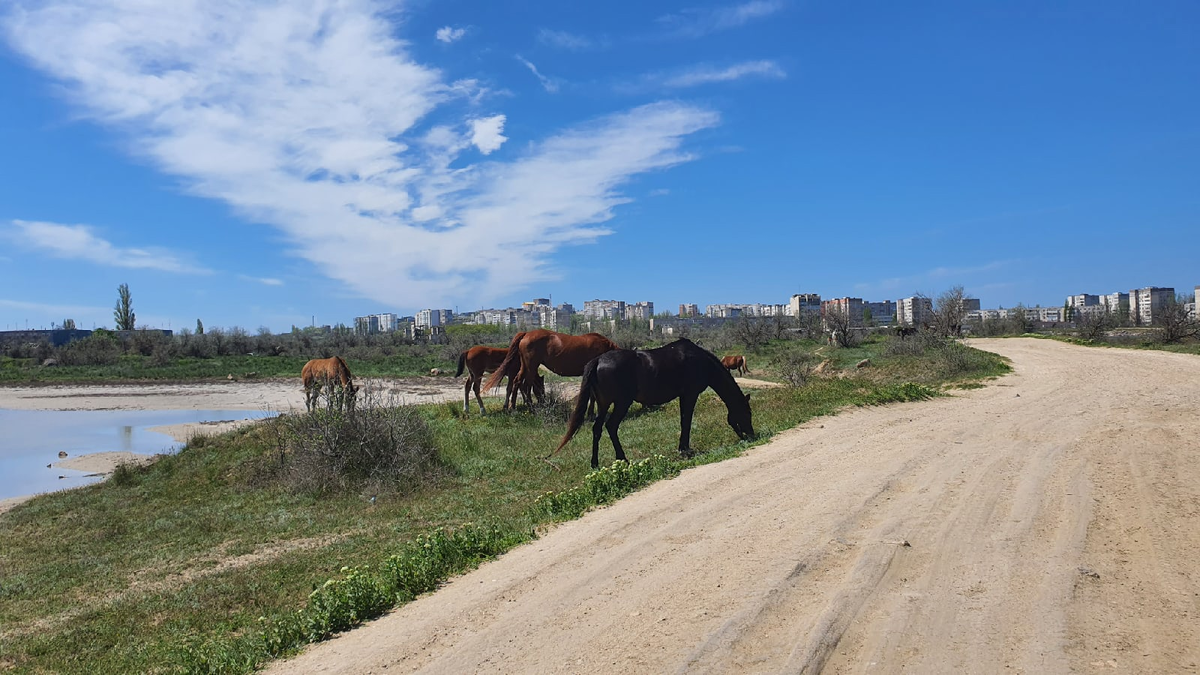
1048, 523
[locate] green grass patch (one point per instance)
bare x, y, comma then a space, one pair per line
205, 562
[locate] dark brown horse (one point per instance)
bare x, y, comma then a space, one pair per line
653, 377
479, 360
562, 353
735, 362
330, 373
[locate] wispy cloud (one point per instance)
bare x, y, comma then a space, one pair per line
934, 276
450, 34
549, 84
700, 22
266, 281
701, 74
564, 40
80, 242
63, 311
314, 119
708, 74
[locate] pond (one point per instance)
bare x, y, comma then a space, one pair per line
32, 439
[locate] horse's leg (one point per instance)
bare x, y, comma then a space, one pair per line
614, 422
687, 406
597, 431
467, 393
479, 399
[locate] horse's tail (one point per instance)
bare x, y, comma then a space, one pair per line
462, 363
585, 396
514, 351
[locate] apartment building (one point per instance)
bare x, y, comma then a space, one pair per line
642, 311
849, 307
804, 302
689, 310
1082, 300
604, 309
376, 323
882, 313
1146, 303
427, 318
914, 311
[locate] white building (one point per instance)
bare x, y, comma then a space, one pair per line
604, 309
804, 302
1146, 303
914, 311
428, 318
642, 311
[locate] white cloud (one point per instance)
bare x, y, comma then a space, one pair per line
699, 22
62, 311
80, 242
266, 281
486, 133
548, 84
312, 118
708, 75
564, 40
449, 34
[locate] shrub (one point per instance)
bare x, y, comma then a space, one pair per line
796, 367
385, 447
101, 348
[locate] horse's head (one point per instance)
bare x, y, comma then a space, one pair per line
740, 418
351, 392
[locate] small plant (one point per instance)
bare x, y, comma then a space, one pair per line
796, 367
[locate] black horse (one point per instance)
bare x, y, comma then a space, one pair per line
679, 370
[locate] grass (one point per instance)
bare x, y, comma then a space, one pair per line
143, 368
197, 563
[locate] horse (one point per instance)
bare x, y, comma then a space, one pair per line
653, 377
479, 360
735, 362
330, 372
562, 353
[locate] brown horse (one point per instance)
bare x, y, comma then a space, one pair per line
331, 372
562, 353
735, 362
479, 360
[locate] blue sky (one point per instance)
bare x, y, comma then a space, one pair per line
264, 163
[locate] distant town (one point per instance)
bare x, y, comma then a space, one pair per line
1141, 306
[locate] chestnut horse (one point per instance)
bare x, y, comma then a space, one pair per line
735, 362
562, 353
331, 372
479, 360
680, 370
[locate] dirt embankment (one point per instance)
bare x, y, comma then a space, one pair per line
1047, 523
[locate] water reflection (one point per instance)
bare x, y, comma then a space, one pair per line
30, 441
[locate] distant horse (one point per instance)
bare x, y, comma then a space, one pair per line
479, 360
330, 373
735, 362
653, 377
562, 353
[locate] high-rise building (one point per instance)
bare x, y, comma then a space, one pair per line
914, 311
1146, 303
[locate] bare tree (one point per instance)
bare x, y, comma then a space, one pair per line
123, 312
1175, 323
949, 312
1094, 325
752, 332
839, 326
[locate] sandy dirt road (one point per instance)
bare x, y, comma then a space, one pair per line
1049, 523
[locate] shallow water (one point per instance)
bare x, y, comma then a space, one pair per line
32, 439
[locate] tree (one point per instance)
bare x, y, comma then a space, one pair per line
838, 324
1175, 323
68, 324
123, 312
1094, 325
949, 312
200, 327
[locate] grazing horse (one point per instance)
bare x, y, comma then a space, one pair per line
562, 353
331, 372
679, 370
479, 360
736, 362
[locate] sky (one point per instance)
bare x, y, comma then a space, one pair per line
270, 164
